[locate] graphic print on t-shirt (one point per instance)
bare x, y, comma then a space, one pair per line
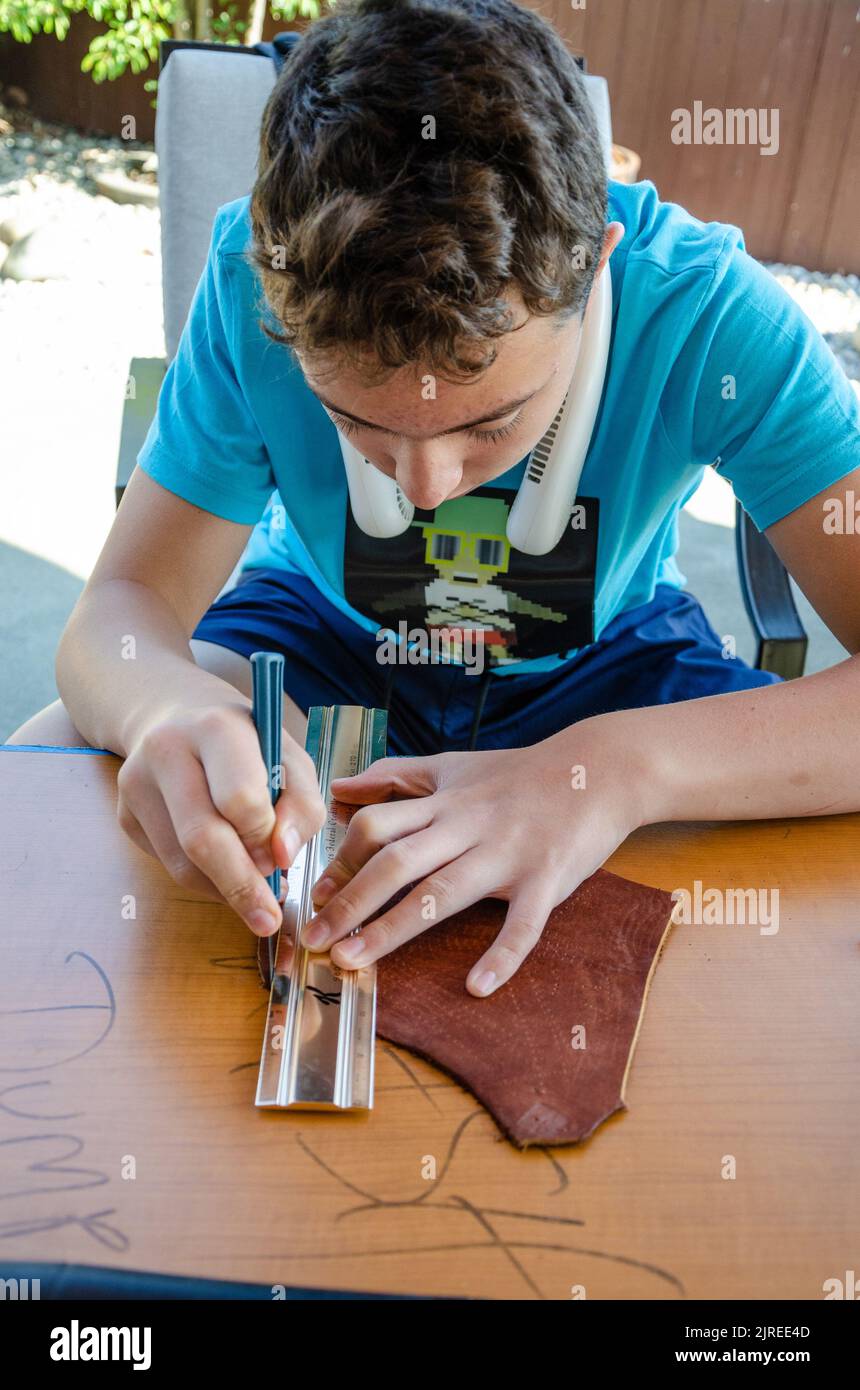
454, 572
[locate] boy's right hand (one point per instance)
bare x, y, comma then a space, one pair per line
194, 793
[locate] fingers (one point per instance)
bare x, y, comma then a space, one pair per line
190, 828
440, 894
229, 750
385, 871
240, 790
195, 794
370, 829
214, 846
524, 922
168, 850
389, 777
161, 843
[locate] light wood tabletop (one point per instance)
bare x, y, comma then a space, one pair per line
131, 1021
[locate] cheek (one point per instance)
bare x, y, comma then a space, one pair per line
380, 458
490, 460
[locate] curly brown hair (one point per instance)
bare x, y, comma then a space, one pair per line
418, 158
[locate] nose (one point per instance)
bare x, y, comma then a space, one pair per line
428, 472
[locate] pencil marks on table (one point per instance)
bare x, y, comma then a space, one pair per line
552, 1233
40, 1167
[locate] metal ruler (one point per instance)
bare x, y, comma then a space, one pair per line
318, 1046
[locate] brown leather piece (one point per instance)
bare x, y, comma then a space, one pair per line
590, 970
513, 1050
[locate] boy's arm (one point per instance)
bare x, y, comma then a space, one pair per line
783, 750
193, 790
124, 654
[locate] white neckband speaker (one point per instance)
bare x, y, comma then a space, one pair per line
547, 493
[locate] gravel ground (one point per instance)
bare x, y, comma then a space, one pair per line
832, 302
107, 254
66, 342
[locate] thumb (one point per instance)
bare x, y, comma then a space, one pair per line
389, 777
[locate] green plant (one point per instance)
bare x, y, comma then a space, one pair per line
133, 29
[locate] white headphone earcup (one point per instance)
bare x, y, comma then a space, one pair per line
378, 504
548, 490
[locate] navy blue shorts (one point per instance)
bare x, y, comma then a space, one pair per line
658, 653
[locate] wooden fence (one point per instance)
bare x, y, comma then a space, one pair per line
800, 58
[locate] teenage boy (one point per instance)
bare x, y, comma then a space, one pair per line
420, 272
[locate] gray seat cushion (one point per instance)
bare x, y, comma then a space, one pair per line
206, 134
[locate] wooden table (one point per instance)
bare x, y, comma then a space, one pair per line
130, 1035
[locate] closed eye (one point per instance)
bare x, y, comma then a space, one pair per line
349, 428
501, 432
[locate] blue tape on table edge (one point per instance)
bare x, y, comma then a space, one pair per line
60, 1281
53, 748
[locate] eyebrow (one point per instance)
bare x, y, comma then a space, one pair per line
455, 429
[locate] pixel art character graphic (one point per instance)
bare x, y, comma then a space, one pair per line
461, 582
467, 546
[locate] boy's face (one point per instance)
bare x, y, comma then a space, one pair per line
443, 445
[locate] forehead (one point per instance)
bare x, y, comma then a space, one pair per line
413, 399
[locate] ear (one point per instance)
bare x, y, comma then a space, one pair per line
613, 235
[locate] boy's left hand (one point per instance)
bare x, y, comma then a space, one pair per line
502, 824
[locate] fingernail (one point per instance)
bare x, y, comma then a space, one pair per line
316, 935
323, 890
485, 983
263, 922
351, 949
292, 841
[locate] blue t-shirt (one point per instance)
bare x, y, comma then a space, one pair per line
711, 362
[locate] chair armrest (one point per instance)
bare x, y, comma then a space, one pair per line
145, 376
769, 602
